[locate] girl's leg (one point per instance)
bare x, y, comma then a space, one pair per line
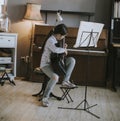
70, 64
51, 83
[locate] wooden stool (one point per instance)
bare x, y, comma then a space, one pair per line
46, 79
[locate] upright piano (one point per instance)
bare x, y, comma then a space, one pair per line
91, 64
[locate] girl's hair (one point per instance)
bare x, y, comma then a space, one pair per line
59, 29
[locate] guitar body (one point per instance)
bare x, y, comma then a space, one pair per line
58, 62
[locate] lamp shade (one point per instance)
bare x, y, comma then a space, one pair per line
33, 12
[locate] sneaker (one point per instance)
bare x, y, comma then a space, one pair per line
68, 84
45, 102
71, 84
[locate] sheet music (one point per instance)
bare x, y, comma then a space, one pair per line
84, 37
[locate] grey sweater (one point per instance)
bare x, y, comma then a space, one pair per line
50, 47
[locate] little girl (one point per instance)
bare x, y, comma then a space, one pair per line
57, 34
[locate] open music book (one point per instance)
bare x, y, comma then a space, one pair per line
88, 34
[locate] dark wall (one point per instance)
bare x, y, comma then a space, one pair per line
70, 5
103, 12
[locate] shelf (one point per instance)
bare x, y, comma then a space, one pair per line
6, 62
116, 18
70, 12
116, 38
116, 44
88, 14
8, 43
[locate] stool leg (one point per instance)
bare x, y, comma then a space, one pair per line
41, 92
11, 81
6, 78
69, 95
2, 82
52, 95
46, 79
66, 95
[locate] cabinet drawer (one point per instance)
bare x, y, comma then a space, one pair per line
7, 41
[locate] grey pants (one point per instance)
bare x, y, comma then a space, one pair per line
70, 63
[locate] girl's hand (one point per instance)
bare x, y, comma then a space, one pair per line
66, 52
65, 45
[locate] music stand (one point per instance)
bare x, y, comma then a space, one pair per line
87, 39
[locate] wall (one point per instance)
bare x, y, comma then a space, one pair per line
103, 12
69, 5
16, 11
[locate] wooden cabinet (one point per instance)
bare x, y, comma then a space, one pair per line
8, 53
114, 53
90, 66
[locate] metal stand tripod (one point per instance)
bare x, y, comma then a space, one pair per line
84, 101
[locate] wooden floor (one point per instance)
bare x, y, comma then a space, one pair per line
17, 104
